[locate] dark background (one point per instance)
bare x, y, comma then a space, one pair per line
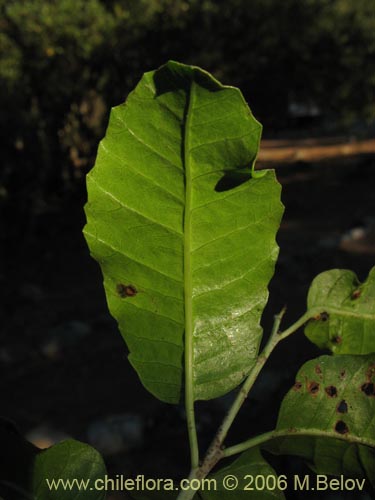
306, 67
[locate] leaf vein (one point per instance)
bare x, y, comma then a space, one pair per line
223, 236
126, 207
132, 304
151, 362
147, 146
156, 340
228, 283
141, 174
121, 252
218, 141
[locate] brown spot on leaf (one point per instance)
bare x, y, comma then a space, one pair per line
297, 386
337, 339
356, 294
331, 391
318, 370
321, 316
126, 290
342, 374
341, 427
342, 407
368, 388
313, 387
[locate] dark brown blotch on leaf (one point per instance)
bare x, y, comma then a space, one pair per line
321, 316
341, 427
342, 407
356, 294
313, 387
368, 388
324, 316
337, 339
297, 386
126, 290
331, 391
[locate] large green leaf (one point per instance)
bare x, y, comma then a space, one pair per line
256, 480
333, 396
349, 326
184, 236
76, 465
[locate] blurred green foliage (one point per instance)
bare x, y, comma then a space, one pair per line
64, 63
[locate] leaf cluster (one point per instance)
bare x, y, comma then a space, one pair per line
184, 230
186, 268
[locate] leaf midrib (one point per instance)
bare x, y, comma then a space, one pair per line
187, 252
189, 352
346, 312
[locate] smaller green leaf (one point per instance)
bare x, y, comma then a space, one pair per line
73, 462
349, 325
256, 480
333, 396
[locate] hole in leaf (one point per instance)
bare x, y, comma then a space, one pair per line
232, 179
341, 427
331, 391
313, 387
342, 407
368, 388
126, 290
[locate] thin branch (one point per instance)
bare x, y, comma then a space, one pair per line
300, 322
215, 452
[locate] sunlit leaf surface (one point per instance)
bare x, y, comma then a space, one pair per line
184, 236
